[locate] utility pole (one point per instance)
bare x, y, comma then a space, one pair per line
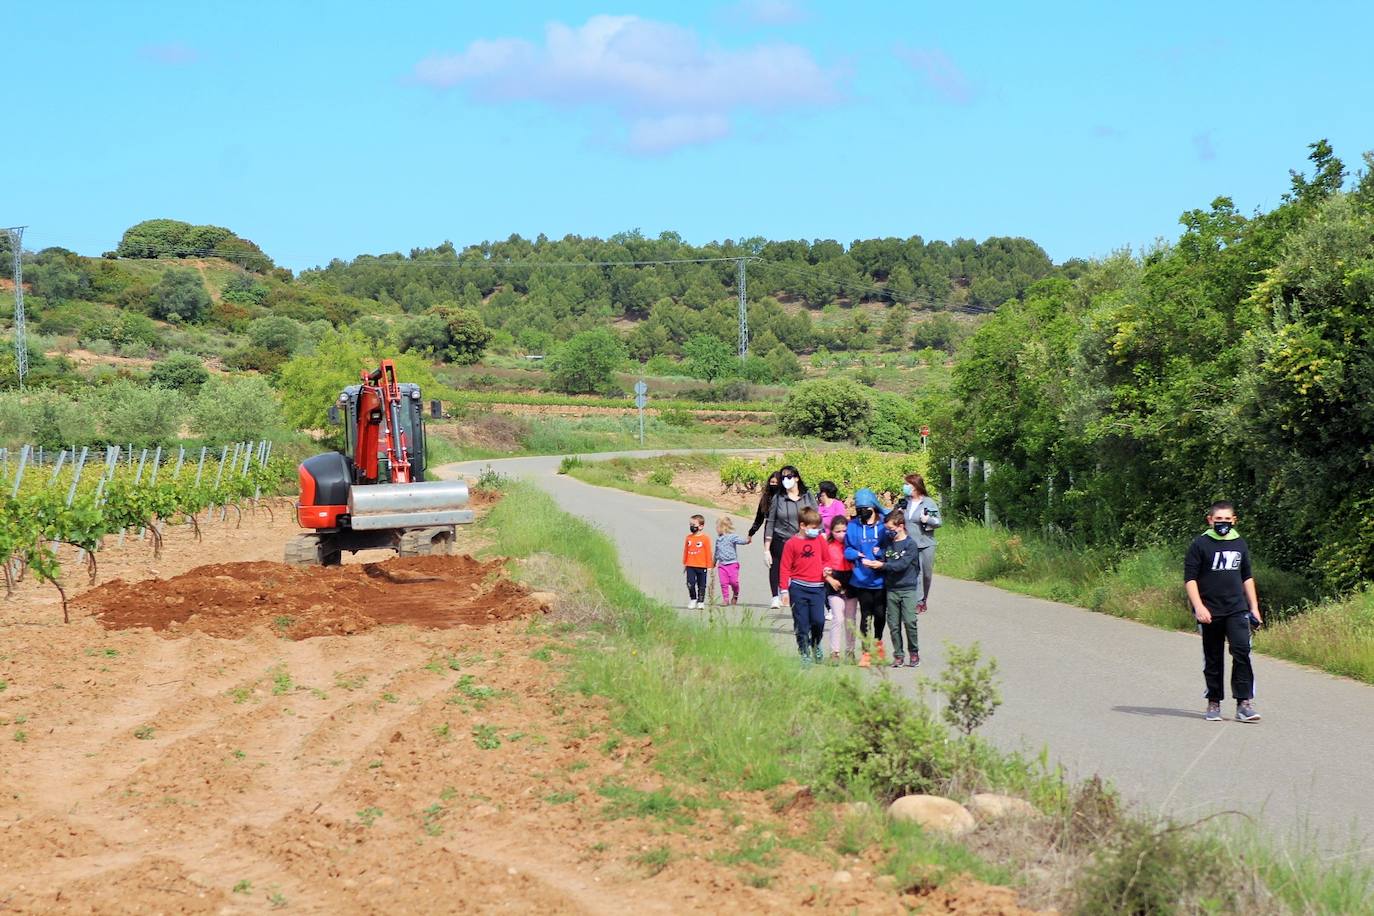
21, 345
743, 310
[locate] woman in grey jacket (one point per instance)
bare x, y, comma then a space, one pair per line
922, 518
782, 521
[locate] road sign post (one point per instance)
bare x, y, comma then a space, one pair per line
641, 398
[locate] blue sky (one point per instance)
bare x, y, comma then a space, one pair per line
325, 130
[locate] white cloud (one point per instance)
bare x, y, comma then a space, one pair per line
940, 73
660, 78
172, 54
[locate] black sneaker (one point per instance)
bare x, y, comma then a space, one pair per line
897, 661
913, 660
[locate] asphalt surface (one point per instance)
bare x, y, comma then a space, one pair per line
1103, 695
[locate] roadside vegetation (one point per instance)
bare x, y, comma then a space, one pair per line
1146, 585
684, 683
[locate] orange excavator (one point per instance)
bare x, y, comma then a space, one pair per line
373, 494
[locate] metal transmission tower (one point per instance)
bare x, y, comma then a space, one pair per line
743, 311
21, 346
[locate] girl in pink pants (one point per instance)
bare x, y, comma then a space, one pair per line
843, 606
727, 558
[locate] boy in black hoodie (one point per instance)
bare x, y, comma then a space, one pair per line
1221, 591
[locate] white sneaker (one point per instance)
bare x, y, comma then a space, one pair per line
691, 604
777, 602
829, 616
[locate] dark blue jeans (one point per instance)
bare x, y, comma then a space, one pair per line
808, 615
696, 583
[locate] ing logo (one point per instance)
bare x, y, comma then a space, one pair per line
1225, 560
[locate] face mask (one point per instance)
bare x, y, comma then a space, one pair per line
1223, 528
694, 528
908, 489
811, 532
866, 513
789, 482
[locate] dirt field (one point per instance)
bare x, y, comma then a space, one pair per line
383, 737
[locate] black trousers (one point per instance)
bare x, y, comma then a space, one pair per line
872, 607
1233, 629
775, 547
696, 583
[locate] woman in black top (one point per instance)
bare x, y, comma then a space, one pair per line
765, 500
782, 521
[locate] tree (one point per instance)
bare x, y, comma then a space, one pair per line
427, 334
180, 371
585, 363
310, 383
831, 409
237, 410
708, 357
467, 335
783, 364
141, 416
180, 296
893, 333
276, 333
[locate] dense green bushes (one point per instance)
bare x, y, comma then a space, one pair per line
224, 410
1236, 363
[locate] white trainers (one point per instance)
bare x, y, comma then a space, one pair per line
691, 604
777, 603
829, 616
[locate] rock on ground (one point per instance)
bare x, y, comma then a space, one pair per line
933, 813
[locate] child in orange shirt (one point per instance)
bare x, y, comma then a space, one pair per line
697, 558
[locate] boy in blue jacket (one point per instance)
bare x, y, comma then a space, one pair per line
865, 539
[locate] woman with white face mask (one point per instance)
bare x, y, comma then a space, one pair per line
783, 521
922, 518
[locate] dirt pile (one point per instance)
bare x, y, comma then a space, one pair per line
232, 599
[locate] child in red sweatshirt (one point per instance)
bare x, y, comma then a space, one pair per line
801, 576
697, 558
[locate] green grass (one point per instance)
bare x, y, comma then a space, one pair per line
683, 683
604, 433
1146, 585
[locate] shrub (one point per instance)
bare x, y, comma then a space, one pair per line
831, 409
467, 335
236, 410
678, 417
570, 463
141, 416
892, 747
180, 296
970, 689
896, 424
662, 477
180, 371
276, 333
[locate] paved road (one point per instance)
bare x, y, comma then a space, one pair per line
1105, 695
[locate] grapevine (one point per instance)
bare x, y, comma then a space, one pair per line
37, 519
850, 469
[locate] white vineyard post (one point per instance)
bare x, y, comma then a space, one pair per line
219, 475
57, 466
78, 466
152, 482
19, 474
